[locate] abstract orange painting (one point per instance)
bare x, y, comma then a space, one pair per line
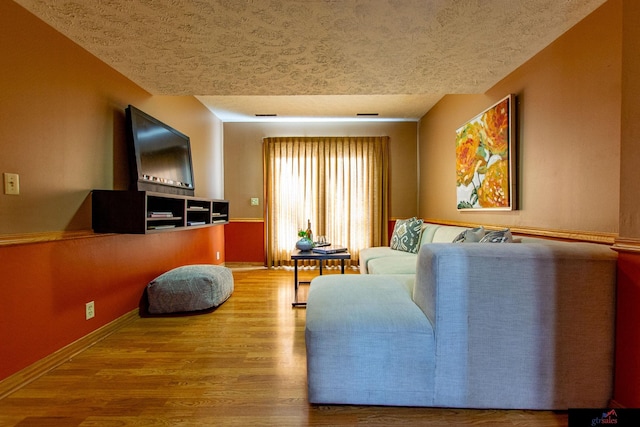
485, 159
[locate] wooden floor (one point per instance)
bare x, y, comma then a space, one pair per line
242, 364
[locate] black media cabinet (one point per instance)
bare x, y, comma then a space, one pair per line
142, 212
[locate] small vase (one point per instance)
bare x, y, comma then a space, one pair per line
304, 244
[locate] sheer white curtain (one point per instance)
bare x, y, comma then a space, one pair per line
339, 183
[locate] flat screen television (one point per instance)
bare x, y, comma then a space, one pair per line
159, 155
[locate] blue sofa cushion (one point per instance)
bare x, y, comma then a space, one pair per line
367, 342
393, 265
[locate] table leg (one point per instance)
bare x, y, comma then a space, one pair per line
342, 266
320, 262
295, 281
296, 284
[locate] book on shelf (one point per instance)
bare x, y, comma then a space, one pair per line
155, 214
218, 221
161, 227
191, 223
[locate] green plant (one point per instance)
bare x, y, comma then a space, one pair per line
303, 234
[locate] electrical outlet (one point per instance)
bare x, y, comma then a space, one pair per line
11, 183
255, 201
217, 254
90, 310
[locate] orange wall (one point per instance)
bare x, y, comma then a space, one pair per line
627, 381
45, 285
245, 241
62, 130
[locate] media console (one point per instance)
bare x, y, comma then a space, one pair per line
142, 212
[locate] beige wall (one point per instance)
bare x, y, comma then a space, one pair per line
569, 99
630, 149
204, 129
243, 160
62, 127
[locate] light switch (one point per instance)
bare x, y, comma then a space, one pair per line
11, 183
255, 201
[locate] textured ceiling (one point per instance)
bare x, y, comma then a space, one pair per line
311, 58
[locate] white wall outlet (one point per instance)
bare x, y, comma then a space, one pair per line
255, 201
90, 310
217, 254
11, 183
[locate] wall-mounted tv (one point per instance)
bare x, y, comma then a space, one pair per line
159, 155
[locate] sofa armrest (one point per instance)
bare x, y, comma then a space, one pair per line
516, 324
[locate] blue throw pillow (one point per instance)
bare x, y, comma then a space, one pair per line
406, 235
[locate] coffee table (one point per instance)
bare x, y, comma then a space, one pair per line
309, 255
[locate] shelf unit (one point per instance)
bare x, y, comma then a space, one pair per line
141, 212
220, 212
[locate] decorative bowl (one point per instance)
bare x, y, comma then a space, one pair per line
304, 244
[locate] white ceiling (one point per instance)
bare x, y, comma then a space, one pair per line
313, 58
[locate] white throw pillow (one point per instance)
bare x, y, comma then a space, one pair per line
500, 236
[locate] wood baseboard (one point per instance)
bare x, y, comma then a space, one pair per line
627, 245
244, 265
41, 367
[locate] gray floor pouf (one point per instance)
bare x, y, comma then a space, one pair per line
190, 288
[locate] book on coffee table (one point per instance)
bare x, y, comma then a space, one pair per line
331, 249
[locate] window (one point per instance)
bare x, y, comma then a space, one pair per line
339, 183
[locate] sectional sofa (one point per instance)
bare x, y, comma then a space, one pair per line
527, 325
385, 260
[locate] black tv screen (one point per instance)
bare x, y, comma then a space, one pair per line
160, 156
